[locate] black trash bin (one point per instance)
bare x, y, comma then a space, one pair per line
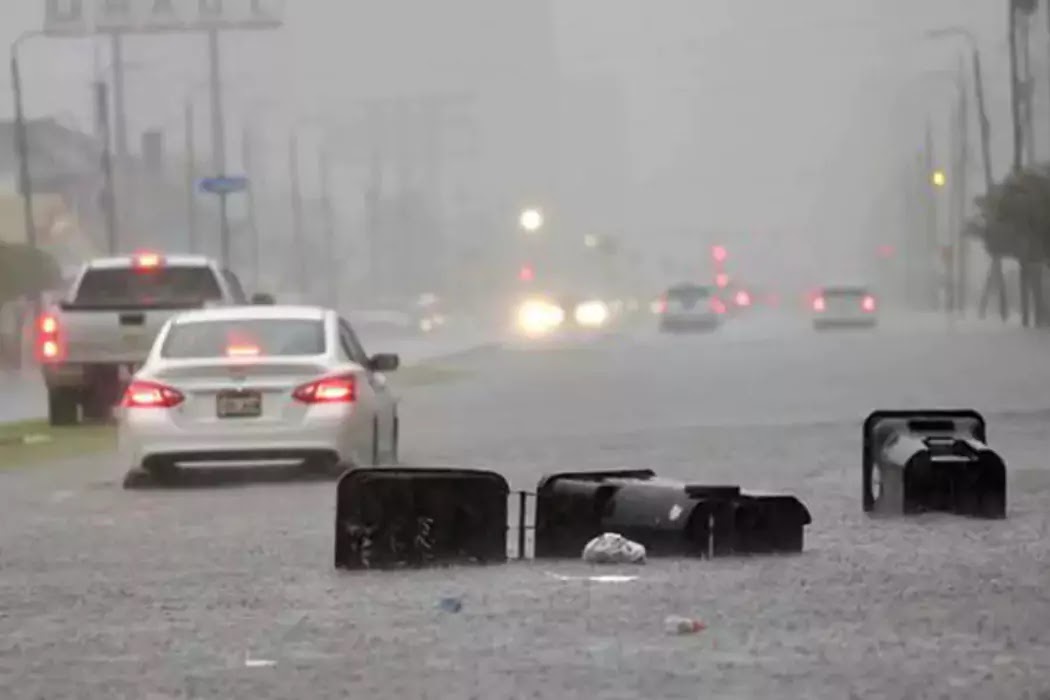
931, 460
671, 518
412, 517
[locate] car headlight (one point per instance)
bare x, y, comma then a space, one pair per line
592, 314
536, 317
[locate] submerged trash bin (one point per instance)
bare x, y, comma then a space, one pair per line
388, 518
669, 518
933, 460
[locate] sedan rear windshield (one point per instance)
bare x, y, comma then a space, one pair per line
688, 294
245, 338
163, 285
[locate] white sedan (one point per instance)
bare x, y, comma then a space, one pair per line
256, 385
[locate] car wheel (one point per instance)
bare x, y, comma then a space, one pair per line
62, 407
137, 478
102, 394
326, 468
375, 441
97, 408
161, 469
395, 439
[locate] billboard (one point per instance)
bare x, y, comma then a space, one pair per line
73, 18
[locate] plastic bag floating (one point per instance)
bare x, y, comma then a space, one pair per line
669, 518
392, 518
935, 460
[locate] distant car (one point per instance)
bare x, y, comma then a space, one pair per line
844, 307
690, 307
258, 384
429, 313
383, 323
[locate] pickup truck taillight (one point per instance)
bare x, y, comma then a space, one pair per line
342, 389
151, 395
49, 344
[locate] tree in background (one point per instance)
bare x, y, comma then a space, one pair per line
1013, 221
26, 271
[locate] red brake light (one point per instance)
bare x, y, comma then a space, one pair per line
661, 305
49, 347
147, 261
151, 395
328, 390
242, 351
722, 280
718, 306
868, 304
743, 298
818, 304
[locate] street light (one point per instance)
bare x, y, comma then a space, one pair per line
531, 220
978, 86
590, 241
938, 178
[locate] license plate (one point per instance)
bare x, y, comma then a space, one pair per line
239, 404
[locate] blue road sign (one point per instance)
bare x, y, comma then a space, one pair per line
227, 184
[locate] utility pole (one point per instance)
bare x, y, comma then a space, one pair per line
930, 237
1015, 97
994, 281
125, 211
1027, 82
109, 204
25, 180
218, 136
1016, 111
120, 121
248, 159
962, 190
1048, 25
297, 209
331, 265
191, 177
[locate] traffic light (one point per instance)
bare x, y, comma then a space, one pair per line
719, 254
526, 273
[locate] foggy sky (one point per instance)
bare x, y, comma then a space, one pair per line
783, 118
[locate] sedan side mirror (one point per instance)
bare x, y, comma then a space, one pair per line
260, 299
384, 363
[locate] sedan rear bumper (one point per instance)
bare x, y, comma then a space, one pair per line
852, 322
680, 325
149, 436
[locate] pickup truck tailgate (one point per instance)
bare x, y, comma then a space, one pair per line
123, 336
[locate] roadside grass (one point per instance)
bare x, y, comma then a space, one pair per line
29, 443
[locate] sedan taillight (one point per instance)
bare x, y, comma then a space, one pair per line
868, 304
142, 394
819, 305
342, 389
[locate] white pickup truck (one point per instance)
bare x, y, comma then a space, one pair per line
89, 343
